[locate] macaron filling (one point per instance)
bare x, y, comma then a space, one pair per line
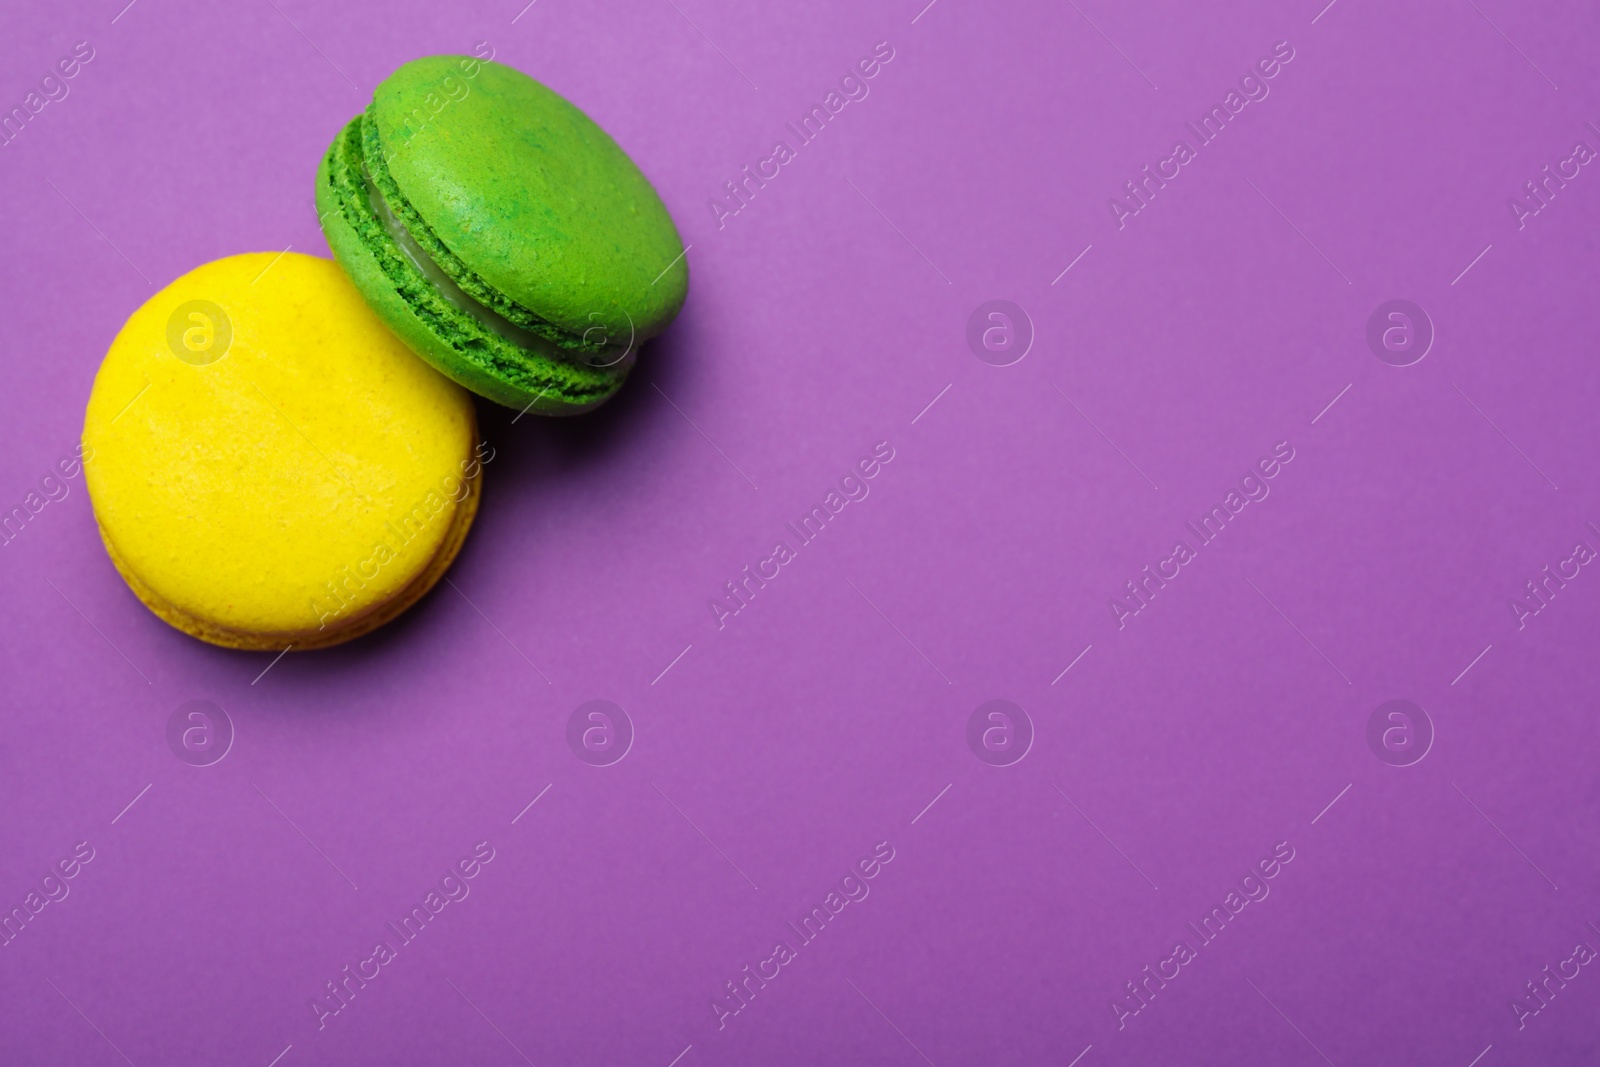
559, 378
375, 168
451, 291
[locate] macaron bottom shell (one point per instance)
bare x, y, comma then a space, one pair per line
309, 639
545, 380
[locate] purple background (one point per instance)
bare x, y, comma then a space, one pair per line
1192, 741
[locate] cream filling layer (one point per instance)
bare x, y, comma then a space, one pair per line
488, 317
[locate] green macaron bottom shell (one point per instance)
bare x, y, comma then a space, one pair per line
543, 376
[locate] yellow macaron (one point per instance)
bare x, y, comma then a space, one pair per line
269, 465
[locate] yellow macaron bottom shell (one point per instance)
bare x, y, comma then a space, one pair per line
347, 628
269, 465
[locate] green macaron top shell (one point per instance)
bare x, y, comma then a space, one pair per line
528, 205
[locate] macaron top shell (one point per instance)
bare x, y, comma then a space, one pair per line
525, 202
266, 458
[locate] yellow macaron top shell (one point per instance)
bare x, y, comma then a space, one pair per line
268, 462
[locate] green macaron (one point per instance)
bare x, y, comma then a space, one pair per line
501, 233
